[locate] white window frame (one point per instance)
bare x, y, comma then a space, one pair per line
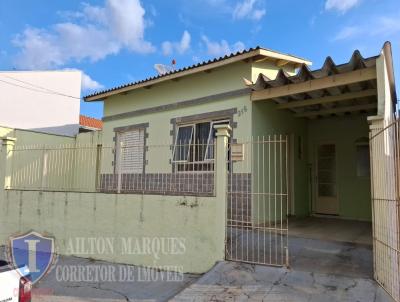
206, 159
193, 135
176, 142
119, 154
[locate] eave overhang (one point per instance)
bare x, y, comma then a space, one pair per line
250, 54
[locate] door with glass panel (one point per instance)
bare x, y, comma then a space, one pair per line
327, 201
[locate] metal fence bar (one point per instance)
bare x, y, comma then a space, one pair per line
257, 201
185, 168
385, 187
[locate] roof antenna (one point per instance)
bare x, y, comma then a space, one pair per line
163, 69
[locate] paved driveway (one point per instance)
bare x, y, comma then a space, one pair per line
229, 281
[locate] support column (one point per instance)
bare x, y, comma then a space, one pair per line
7, 147
221, 185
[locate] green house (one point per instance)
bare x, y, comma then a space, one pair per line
297, 132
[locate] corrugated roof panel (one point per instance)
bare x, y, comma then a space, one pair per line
305, 74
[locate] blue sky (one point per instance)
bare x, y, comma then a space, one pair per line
118, 41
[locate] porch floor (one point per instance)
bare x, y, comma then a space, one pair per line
320, 245
342, 230
331, 246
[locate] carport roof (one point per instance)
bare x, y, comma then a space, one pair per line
331, 90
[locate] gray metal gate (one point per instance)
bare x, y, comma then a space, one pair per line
257, 201
385, 190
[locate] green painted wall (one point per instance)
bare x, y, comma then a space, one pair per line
159, 139
198, 223
267, 120
70, 161
353, 192
5, 131
68, 216
33, 138
218, 80
223, 79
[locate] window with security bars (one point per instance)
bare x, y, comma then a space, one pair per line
194, 146
130, 151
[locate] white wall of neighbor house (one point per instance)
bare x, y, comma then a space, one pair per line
46, 101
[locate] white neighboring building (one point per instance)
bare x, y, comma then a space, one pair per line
45, 101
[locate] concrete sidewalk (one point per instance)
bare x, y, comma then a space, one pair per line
144, 284
65, 282
229, 281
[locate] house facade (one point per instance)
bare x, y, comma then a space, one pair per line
170, 116
328, 153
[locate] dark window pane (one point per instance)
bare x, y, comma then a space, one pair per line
327, 190
202, 133
326, 150
183, 141
326, 163
327, 176
363, 165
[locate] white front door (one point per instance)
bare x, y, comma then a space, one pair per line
327, 201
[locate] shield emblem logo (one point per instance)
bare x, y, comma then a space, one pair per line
33, 250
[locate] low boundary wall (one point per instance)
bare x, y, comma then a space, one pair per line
181, 231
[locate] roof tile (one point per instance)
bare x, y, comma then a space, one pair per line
90, 122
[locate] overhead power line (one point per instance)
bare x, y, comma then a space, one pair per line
35, 87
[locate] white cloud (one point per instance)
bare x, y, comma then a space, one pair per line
247, 9
153, 11
37, 50
387, 26
102, 31
167, 48
88, 84
127, 23
180, 47
347, 33
95, 14
258, 14
383, 26
184, 45
221, 48
341, 5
